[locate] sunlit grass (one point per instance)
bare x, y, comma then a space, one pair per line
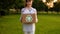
48, 24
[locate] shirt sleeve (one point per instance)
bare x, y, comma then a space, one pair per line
35, 11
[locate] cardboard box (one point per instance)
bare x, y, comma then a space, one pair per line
28, 18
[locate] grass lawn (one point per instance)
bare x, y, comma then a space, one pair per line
48, 24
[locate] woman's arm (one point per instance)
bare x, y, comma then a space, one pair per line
21, 16
36, 16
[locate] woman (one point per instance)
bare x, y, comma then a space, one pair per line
29, 28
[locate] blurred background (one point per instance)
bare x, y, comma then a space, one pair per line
48, 15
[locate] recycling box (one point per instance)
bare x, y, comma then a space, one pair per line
28, 18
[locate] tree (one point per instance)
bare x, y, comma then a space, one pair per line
57, 7
19, 4
39, 5
4, 5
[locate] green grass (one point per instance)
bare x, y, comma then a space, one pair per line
48, 24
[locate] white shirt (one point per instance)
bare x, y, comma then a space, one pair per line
28, 27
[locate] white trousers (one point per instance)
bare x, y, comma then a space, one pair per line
29, 32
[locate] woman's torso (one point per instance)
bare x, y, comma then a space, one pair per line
28, 27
